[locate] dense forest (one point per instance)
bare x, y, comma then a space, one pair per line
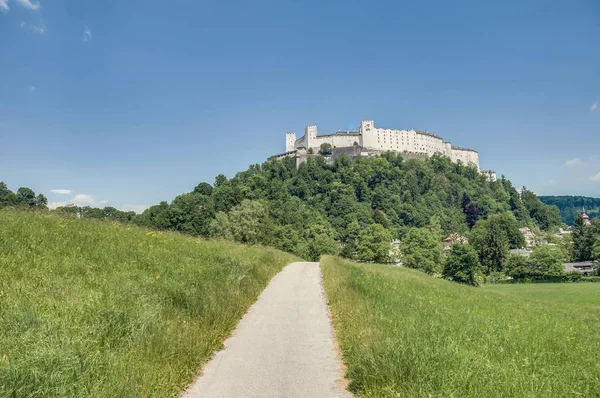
373, 209
570, 206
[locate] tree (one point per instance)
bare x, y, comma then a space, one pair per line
582, 240
508, 223
546, 261
220, 180
490, 240
325, 149
421, 250
462, 265
26, 196
374, 244
192, 213
435, 227
219, 227
41, 200
204, 188
516, 266
248, 222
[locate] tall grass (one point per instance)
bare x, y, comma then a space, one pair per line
94, 309
406, 334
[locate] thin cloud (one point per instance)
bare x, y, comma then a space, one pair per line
87, 34
54, 205
31, 89
573, 162
594, 106
595, 177
30, 5
61, 191
35, 29
4, 6
84, 199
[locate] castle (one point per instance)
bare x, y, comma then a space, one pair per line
371, 141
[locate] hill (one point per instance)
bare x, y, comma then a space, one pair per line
570, 206
99, 309
404, 333
323, 207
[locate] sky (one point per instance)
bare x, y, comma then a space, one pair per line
129, 103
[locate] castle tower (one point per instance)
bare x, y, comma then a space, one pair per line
310, 134
368, 133
290, 141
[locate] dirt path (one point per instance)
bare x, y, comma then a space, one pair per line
283, 347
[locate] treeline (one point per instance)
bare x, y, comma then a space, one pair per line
571, 206
353, 207
23, 198
107, 213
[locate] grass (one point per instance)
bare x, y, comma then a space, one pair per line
583, 296
94, 309
406, 334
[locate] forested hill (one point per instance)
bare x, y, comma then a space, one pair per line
570, 206
353, 207
324, 208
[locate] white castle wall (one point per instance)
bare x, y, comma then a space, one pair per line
379, 139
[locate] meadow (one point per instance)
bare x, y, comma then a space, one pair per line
98, 309
406, 334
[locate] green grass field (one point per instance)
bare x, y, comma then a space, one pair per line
104, 310
406, 334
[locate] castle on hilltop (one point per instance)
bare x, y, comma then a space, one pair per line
369, 141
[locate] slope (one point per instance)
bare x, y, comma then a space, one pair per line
91, 308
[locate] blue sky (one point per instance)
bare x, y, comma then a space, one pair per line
127, 103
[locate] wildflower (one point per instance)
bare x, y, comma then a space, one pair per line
140, 244
157, 276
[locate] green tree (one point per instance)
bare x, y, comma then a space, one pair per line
220, 180
204, 188
421, 250
491, 241
192, 213
319, 240
546, 261
26, 196
462, 265
516, 266
220, 227
582, 240
374, 244
325, 149
41, 200
248, 222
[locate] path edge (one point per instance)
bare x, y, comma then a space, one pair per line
341, 382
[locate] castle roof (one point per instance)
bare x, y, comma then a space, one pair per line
463, 149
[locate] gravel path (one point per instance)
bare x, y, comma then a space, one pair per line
283, 346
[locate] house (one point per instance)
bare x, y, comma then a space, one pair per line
584, 267
453, 239
528, 235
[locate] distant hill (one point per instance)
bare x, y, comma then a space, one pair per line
570, 206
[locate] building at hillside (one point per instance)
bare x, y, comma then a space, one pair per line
372, 140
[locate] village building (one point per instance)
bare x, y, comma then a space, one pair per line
528, 235
454, 239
